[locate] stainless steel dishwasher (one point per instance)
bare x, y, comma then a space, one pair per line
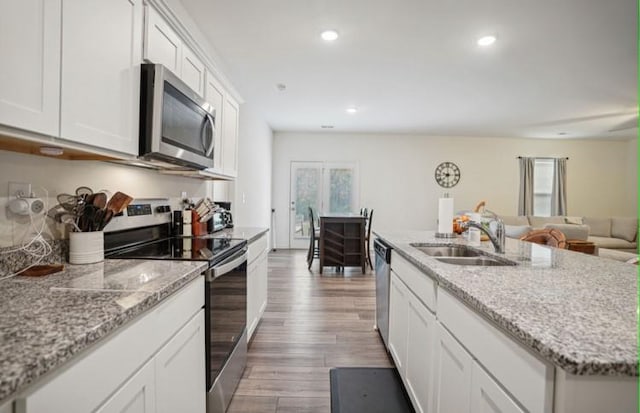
383, 276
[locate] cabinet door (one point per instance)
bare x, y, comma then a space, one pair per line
230, 137
419, 370
453, 375
180, 370
487, 396
101, 55
30, 74
252, 293
161, 43
398, 311
214, 94
192, 72
263, 284
137, 395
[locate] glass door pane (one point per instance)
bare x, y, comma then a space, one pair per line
306, 191
341, 188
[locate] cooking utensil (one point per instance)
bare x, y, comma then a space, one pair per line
106, 218
87, 218
100, 200
118, 203
83, 191
69, 219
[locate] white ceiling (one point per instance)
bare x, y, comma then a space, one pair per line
412, 66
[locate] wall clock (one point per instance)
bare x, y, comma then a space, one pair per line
447, 174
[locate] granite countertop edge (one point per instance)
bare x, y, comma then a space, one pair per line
250, 234
566, 362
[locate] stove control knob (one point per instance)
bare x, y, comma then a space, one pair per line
163, 208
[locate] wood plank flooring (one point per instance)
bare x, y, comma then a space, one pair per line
312, 323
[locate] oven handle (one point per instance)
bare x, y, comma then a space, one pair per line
227, 265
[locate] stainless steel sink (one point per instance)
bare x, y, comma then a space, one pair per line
447, 250
479, 261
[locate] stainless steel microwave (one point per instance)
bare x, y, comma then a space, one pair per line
176, 125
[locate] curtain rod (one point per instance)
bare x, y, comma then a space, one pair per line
543, 157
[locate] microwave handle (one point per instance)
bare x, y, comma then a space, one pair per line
209, 150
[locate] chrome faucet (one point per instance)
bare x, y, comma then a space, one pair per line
496, 239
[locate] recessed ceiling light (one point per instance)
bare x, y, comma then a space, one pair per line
281, 87
486, 40
562, 133
352, 110
329, 35
326, 126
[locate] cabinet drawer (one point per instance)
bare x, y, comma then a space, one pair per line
418, 282
527, 378
256, 248
86, 382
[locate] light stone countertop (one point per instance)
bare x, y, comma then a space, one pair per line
249, 233
46, 321
574, 310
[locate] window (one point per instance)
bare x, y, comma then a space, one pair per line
542, 187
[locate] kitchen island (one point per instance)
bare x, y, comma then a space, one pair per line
46, 322
570, 316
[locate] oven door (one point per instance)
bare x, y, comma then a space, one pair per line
225, 318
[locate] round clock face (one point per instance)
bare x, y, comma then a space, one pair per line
447, 174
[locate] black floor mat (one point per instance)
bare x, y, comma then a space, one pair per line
367, 390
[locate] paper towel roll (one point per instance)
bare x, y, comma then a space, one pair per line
445, 215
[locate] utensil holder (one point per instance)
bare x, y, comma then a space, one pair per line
86, 247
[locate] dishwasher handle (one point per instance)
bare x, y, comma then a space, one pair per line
382, 249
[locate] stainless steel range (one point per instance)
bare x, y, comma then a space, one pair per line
143, 232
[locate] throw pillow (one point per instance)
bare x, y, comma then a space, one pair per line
573, 220
625, 228
598, 227
516, 231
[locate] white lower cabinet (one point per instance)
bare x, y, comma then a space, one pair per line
137, 395
257, 284
487, 396
421, 329
398, 313
452, 375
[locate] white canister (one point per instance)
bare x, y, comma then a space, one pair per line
86, 247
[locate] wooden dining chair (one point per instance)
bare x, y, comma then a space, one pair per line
314, 240
548, 236
367, 239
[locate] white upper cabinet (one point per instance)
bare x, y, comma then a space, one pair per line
192, 72
101, 55
231, 114
214, 94
161, 43
30, 74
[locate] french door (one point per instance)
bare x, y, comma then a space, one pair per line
327, 187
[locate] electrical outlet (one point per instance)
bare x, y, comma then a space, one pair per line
19, 190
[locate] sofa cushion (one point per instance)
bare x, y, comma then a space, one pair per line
516, 231
540, 222
598, 227
625, 228
572, 232
515, 220
573, 220
617, 255
612, 243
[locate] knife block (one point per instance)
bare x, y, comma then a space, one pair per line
198, 228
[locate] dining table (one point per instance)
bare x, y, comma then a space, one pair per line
342, 241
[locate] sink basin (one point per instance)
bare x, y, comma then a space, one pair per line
479, 261
447, 250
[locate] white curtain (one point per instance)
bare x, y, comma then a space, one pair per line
525, 197
559, 189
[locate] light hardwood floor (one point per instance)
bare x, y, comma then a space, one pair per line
312, 323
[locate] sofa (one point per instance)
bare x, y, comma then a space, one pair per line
614, 233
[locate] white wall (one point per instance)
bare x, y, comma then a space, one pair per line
61, 176
397, 174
